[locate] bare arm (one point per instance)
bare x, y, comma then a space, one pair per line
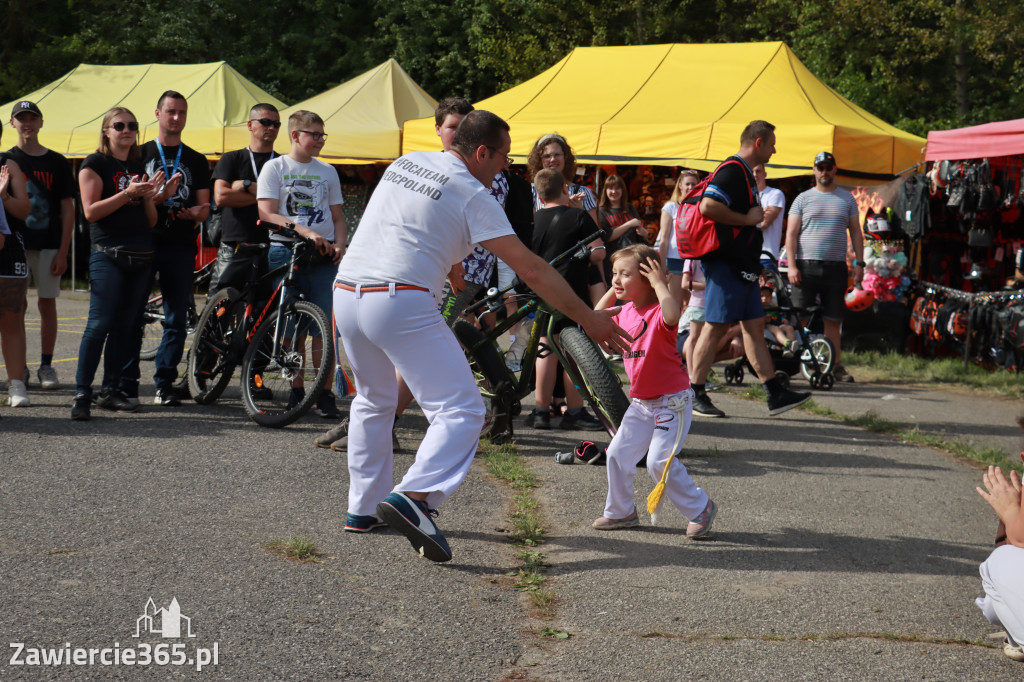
670, 311
1005, 498
199, 212
268, 211
16, 200
664, 236
67, 222
90, 184
340, 233
793, 247
233, 194
770, 214
720, 213
857, 239
546, 281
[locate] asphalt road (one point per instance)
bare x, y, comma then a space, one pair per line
837, 554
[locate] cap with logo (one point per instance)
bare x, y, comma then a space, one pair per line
824, 157
25, 106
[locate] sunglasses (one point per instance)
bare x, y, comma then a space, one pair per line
827, 167
119, 126
268, 122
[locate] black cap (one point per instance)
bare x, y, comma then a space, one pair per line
23, 106
824, 157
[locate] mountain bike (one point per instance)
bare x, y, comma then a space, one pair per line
283, 344
153, 317
578, 354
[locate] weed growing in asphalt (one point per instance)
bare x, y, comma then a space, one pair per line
297, 549
557, 634
505, 464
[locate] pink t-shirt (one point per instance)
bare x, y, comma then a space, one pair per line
652, 362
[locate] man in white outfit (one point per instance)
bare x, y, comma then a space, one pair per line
425, 215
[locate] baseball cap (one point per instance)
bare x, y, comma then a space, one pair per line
23, 106
824, 157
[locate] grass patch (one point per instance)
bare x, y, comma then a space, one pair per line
876, 366
299, 548
504, 463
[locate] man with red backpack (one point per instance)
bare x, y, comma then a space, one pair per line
732, 293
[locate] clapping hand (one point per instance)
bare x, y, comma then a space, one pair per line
5, 179
1003, 495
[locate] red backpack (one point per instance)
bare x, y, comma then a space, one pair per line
696, 235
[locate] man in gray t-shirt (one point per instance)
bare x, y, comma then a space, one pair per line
818, 223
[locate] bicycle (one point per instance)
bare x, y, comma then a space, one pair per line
271, 340
578, 354
153, 316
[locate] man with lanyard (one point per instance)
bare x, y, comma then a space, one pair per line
47, 230
174, 242
234, 191
816, 233
732, 293
425, 215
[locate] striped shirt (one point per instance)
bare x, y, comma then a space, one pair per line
825, 218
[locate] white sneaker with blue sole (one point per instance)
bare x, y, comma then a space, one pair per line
411, 518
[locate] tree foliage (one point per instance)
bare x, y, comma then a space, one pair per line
920, 64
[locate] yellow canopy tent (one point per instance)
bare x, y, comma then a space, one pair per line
364, 116
219, 99
686, 105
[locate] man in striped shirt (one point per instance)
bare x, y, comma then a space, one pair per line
819, 221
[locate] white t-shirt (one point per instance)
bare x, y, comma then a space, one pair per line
671, 207
305, 193
425, 215
773, 233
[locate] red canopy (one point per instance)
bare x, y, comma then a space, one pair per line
1003, 138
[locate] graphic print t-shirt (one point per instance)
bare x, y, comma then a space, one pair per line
195, 176
305, 193
652, 362
49, 181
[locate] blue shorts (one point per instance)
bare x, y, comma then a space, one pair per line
674, 265
727, 298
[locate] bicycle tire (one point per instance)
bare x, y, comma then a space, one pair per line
824, 352
152, 328
604, 388
209, 368
262, 370
491, 378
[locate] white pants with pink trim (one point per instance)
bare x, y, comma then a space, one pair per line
651, 425
1002, 576
383, 331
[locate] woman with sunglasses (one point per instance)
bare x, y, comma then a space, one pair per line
119, 203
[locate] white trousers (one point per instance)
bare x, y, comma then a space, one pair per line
383, 331
650, 425
1002, 576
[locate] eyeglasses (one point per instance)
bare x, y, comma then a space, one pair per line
267, 122
828, 168
119, 126
552, 157
319, 137
494, 150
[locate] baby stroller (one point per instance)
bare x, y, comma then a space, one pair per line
814, 357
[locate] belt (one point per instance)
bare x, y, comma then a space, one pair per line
390, 287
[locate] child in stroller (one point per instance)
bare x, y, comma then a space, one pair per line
791, 344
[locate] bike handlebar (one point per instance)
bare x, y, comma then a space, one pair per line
286, 230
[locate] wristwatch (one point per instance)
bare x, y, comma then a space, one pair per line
856, 263
246, 184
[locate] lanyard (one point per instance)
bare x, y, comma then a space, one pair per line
253, 160
163, 160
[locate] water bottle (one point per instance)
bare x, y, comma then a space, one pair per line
514, 355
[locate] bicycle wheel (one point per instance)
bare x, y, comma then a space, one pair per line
491, 378
289, 351
210, 365
152, 327
601, 388
824, 353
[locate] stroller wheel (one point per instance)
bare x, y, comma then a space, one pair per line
826, 382
783, 378
815, 380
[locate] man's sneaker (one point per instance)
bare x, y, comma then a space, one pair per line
1013, 651
631, 521
539, 419
785, 401
326, 407
839, 373
18, 394
80, 408
167, 396
47, 378
355, 523
701, 526
338, 433
411, 518
703, 406
295, 397
578, 419
710, 386
261, 393
115, 401
27, 376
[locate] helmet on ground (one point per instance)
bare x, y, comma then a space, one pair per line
876, 226
859, 299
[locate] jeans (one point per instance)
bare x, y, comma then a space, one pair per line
176, 265
116, 301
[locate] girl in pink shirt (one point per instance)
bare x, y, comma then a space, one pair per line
658, 418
